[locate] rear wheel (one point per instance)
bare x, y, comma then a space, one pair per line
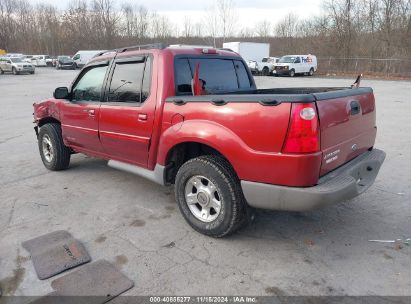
54, 154
1, 72
311, 72
292, 73
209, 196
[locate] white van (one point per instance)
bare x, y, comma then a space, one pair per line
296, 64
81, 58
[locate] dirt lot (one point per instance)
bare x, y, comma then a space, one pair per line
136, 224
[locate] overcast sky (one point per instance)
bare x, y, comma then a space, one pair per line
249, 11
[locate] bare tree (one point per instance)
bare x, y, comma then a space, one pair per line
187, 27
211, 22
263, 29
227, 17
105, 20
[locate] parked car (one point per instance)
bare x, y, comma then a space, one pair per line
81, 58
296, 64
264, 68
272, 60
194, 118
39, 60
27, 58
15, 65
14, 55
65, 62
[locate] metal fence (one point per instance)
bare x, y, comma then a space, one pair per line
381, 67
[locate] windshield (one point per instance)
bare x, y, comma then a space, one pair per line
64, 58
16, 59
287, 59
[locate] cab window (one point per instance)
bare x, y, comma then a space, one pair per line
130, 81
89, 86
218, 75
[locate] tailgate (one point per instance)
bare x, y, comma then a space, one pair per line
347, 123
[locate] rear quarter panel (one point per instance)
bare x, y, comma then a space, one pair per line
249, 135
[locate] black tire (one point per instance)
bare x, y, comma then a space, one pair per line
292, 73
14, 71
1, 72
32, 73
60, 158
234, 212
265, 71
311, 72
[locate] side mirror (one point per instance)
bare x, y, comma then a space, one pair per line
61, 93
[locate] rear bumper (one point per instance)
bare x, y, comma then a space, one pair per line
344, 183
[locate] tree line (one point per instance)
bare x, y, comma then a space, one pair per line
343, 30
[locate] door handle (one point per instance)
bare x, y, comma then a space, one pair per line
142, 117
91, 112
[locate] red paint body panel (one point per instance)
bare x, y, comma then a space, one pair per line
249, 135
79, 124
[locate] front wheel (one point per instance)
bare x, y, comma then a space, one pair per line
14, 71
265, 71
292, 73
54, 154
209, 196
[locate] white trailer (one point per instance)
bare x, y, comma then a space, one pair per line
250, 51
253, 53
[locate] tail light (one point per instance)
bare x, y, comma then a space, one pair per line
303, 134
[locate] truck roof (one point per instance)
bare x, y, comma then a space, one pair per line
173, 50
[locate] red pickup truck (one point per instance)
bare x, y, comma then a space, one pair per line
193, 117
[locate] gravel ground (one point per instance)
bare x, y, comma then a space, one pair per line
136, 224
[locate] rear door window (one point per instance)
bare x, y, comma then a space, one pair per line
131, 81
219, 75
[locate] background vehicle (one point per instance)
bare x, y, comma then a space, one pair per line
15, 65
65, 62
14, 55
296, 64
271, 59
39, 60
81, 58
253, 53
27, 58
194, 118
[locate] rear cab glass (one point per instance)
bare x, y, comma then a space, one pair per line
218, 74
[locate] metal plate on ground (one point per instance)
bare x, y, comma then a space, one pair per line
98, 279
38, 243
55, 252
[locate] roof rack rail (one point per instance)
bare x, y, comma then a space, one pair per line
159, 46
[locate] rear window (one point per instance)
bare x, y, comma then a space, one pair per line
219, 75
